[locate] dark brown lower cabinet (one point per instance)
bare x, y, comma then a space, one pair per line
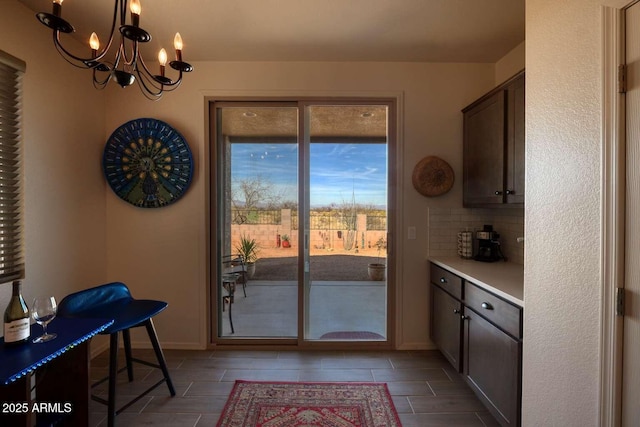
480, 334
492, 367
446, 330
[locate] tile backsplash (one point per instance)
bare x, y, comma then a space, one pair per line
445, 223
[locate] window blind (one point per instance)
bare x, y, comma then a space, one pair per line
11, 173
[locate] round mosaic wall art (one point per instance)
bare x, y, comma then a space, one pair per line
147, 163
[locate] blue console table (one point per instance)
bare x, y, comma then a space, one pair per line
61, 369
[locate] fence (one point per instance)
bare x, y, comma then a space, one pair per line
329, 229
254, 216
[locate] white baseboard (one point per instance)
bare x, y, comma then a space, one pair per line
100, 344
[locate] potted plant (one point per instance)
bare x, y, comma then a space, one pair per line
285, 241
248, 248
376, 270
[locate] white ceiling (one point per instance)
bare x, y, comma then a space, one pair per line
314, 30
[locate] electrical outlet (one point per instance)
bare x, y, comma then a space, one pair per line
411, 233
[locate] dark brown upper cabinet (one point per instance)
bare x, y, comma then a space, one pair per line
493, 172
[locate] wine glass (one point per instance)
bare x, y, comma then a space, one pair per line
43, 311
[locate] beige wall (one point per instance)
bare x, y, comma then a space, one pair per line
510, 64
63, 121
563, 212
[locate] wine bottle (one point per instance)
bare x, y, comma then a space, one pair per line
16, 318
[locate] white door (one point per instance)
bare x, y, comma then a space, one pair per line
631, 343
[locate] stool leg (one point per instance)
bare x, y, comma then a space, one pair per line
151, 330
126, 338
113, 373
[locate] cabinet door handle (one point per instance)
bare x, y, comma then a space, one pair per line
487, 306
463, 317
498, 193
443, 280
511, 192
456, 311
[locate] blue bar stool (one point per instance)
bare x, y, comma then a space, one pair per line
114, 301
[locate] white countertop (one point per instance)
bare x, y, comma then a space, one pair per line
505, 279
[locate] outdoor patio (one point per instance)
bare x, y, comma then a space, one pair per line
270, 310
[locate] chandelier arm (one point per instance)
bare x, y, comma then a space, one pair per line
64, 56
122, 55
167, 84
111, 33
150, 91
149, 83
116, 59
152, 96
123, 11
173, 86
86, 62
100, 84
159, 86
122, 51
145, 69
68, 56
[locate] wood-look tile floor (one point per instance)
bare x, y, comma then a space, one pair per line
425, 389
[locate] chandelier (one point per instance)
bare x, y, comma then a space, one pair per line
127, 65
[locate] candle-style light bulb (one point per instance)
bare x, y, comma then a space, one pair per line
136, 9
94, 42
177, 44
162, 59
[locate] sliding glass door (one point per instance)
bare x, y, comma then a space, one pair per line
306, 185
257, 209
346, 217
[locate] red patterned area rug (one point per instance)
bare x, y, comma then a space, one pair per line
293, 404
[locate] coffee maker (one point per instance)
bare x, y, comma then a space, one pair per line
488, 245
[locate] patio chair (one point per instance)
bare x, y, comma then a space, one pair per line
229, 282
234, 273
235, 264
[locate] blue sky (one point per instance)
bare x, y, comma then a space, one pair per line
337, 170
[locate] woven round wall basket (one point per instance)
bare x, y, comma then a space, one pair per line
432, 176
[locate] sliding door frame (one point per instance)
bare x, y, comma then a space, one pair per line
394, 180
